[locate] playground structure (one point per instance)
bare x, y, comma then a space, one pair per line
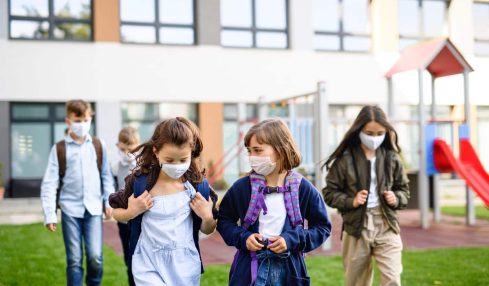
440, 58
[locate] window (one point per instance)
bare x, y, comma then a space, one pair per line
480, 13
51, 20
341, 25
30, 147
145, 116
421, 19
254, 23
158, 21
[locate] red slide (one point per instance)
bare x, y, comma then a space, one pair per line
468, 167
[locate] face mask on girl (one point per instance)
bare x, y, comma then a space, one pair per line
262, 165
81, 129
371, 142
175, 171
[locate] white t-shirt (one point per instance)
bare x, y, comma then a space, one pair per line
373, 197
272, 223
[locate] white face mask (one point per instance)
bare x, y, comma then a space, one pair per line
81, 129
175, 171
262, 165
371, 142
126, 158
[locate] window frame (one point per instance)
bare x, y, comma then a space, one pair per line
480, 40
341, 34
156, 25
254, 29
421, 32
52, 20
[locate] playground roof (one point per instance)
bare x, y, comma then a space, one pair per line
438, 56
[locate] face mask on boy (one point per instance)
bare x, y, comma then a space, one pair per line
81, 129
262, 165
175, 171
371, 142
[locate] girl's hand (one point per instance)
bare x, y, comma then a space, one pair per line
139, 205
278, 244
360, 198
202, 207
253, 242
390, 198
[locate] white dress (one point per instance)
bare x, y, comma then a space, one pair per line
165, 253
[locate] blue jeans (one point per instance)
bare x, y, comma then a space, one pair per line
88, 229
272, 269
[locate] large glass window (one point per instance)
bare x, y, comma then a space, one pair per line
254, 23
480, 12
158, 21
421, 19
51, 19
145, 116
341, 25
35, 127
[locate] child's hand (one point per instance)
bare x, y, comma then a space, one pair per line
278, 244
108, 213
390, 198
137, 206
51, 227
202, 207
360, 198
253, 242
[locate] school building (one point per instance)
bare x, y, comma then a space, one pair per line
218, 62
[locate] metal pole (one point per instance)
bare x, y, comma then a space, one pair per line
321, 123
241, 119
436, 190
390, 99
262, 108
470, 208
423, 195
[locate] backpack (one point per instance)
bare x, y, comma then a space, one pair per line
61, 154
257, 203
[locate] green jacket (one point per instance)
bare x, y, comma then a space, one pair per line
342, 186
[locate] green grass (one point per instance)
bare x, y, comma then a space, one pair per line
481, 212
30, 255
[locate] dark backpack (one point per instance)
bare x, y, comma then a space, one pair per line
61, 154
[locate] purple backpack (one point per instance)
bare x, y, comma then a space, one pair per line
257, 203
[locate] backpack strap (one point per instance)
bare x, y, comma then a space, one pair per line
97, 144
140, 185
257, 184
61, 154
204, 189
293, 182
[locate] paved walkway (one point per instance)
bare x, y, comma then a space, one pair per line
451, 232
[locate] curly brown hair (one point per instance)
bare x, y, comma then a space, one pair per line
178, 131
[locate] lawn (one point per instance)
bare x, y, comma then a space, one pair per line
481, 212
30, 255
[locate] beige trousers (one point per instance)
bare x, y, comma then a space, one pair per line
378, 241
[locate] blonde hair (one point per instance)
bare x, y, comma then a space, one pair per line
275, 132
129, 136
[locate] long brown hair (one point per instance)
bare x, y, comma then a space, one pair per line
178, 131
274, 132
351, 139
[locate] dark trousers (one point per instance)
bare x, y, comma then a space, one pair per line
124, 234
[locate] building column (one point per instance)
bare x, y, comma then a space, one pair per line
5, 142
208, 25
109, 123
211, 116
301, 30
106, 21
461, 25
4, 19
384, 26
